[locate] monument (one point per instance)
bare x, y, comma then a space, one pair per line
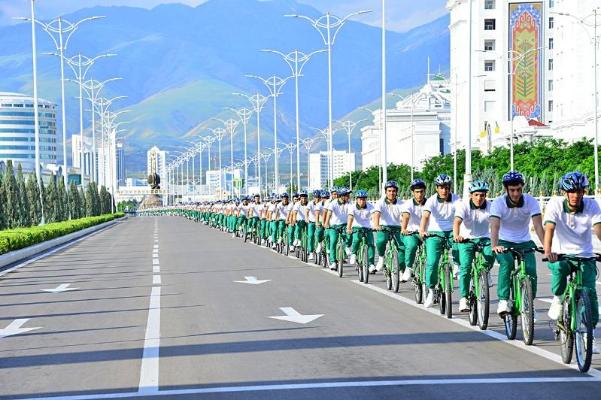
153, 200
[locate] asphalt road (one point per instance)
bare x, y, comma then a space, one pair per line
158, 313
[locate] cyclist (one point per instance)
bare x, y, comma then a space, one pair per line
472, 222
335, 219
570, 222
387, 212
359, 219
319, 218
437, 222
281, 216
254, 212
311, 228
411, 219
300, 216
510, 217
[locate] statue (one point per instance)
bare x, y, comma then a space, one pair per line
154, 180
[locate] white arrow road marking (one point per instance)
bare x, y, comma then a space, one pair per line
252, 280
15, 328
294, 316
60, 288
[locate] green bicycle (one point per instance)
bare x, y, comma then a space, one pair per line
522, 298
362, 254
575, 322
419, 273
339, 249
479, 295
391, 261
301, 250
443, 292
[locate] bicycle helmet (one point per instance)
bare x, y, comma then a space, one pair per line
513, 178
361, 194
573, 181
391, 184
344, 191
479, 186
317, 193
417, 184
442, 180
334, 190
285, 195
325, 194
303, 193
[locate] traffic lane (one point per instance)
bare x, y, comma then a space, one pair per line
90, 339
229, 338
544, 327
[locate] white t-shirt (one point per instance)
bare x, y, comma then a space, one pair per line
339, 213
361, 216
515, 221
475, 222
311, 207
442, 213
256, 209
302, 212
283, 211
244, 209
271, 207
573, 231
390, 214
415, 212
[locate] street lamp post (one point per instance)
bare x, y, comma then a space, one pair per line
291, 147
274, 84
219, 134
384, 148
308, 144
349, 127
244, 114
329, 26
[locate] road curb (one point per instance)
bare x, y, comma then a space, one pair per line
31, 251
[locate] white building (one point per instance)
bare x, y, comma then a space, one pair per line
76, 154
120, 163
318, 167
156, 162
417, 128
17, 131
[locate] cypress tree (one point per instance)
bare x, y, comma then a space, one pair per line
74, 202
24, 215
50, 202
2, 202
83, 211
44, 207
11, 196
63, 200
33, 199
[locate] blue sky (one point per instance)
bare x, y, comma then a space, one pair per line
402, 14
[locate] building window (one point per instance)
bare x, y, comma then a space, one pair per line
550, 64
550, 105
550, 43
551, 3
489, 45
489, 106
490, 24
551, 22
489, 65
550, 85
489, 4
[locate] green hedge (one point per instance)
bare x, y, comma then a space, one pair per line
16, 239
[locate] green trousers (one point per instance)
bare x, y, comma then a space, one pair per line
467, 252
506, 266
240, 222
319, 233
369, 241
560, 271
333, 234
299, 227
412, 243
382, 238
311, 237
434, 249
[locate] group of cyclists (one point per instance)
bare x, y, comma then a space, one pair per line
415, 237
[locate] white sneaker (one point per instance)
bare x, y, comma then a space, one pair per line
372, 269
407, 275
233, 235
503, 307
463, 305
429, 299
380, 264
455, 271
333, 266
348, 251
297, 242
555, 308
353, 259
311, 257
318, 250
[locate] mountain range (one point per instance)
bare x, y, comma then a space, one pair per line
181, 66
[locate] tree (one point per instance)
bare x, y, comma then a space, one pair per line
105, 201
24, 215
51, 202
83, 211
11, 197
33, 198
74, 202
63, 200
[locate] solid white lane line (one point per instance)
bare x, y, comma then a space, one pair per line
156, 279
149, 369
155, 261
156, 269
464, 323
327, 385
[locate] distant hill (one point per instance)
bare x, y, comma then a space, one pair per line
181, 66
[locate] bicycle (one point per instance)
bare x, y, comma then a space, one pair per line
575, 322
362, 266
443, 291
284, 245
479, 294
391, 261
521, 297
419, 273
339, 249
301, 250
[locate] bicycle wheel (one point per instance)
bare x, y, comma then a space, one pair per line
473, 303
388, 269
584, 331
483, 300
448, 290
510, 320
417, 285
527, 311
365, 263
340, 257
566, 337
396, 278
